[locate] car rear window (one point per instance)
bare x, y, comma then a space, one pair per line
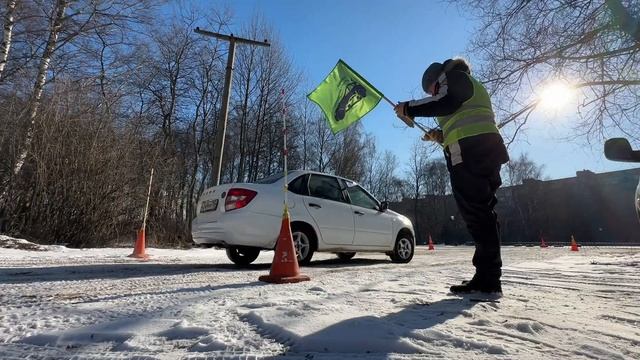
300, 185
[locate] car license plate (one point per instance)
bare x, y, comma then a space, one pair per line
209, 205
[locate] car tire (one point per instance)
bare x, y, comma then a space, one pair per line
346, 255
242, 255
403, 249
304, 243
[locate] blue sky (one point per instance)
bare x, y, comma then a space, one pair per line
391, 43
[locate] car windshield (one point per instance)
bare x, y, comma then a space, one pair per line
270, 179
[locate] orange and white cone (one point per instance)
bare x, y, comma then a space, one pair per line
574, 245
139, 248
284, 268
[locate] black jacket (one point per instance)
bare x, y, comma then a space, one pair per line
453, 89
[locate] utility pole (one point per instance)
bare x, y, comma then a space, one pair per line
222, 122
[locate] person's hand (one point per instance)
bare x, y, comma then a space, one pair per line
400, 112
434, 135
400, 109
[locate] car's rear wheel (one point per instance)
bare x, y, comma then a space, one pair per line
242, 255
303, 243
404, 248
346, 255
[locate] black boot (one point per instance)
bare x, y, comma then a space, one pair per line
476, 285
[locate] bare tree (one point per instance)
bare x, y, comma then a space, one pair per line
56, 24
265, 81
205, 84
436, 180
323, 143
520, 169
387, 186
7, 33
113, 104
416, 176
245, 88
523, 201
307, 111
594, 46
429, 180
349, 161
89, 128
69, 23
371, 161
417, 172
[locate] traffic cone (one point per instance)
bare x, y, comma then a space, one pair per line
574, 245
542, 243
284, 268
139, 248
431, 247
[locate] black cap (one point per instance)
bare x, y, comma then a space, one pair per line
431, 75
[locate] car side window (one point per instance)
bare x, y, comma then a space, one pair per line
359, 197
300, 185
325, 187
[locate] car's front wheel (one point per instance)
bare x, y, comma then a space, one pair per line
404, 248
303, 243
241, 255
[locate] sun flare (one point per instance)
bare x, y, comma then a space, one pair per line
556, 95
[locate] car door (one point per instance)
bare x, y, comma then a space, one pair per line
298, 188
330, 210
372, 227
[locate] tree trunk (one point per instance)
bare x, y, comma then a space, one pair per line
243, 120
257, 138
7, 34
56, 24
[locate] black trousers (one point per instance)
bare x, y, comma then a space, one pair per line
474, 166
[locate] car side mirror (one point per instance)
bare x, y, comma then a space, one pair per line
619, 149
384, 206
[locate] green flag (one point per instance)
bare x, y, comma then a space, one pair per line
344, 96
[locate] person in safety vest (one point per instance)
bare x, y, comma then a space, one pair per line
474, 151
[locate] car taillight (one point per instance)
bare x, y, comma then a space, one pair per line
238, 198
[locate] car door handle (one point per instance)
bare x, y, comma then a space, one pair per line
315, 205
358, 213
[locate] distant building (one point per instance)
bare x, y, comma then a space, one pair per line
595, 208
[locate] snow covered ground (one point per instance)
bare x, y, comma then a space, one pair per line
193, 304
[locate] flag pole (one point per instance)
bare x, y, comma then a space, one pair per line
284, 149
389, 101
146, 208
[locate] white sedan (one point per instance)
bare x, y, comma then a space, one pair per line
328, 214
